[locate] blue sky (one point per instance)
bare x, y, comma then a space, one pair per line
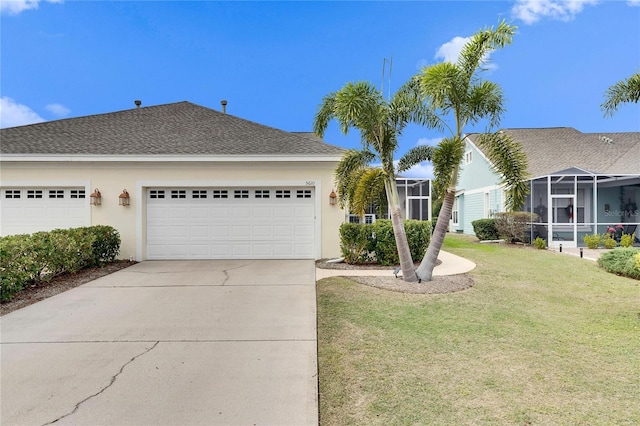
274, 61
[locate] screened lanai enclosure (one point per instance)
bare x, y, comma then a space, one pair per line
569, 204
415, 202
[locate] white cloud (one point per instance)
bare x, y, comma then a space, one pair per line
14, 114
450, 51
422, 171
58, 110
633, 3
531, 11
14, 7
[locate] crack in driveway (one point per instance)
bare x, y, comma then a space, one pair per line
226, 272
113, 380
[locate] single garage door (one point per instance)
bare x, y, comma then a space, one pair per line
28, 210
230, 223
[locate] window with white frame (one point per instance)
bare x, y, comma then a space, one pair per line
468, 157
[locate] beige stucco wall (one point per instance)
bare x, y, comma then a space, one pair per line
112, 177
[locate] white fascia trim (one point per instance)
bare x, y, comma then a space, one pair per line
493, 167
309, 183
169, 158
483, 190
474, 146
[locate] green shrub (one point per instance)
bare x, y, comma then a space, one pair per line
419, 235
485, 229
385, 251
622, 261
608, 241
592, 241
375, 243
106, 244
540, 243
514, 226
356, 243
626, 240
31, 259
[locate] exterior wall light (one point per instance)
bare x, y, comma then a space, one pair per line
124, 198
333, 198
96, 198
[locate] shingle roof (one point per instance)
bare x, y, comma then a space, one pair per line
179, 128
552, 149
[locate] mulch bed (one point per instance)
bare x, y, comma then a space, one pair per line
60, 284
438, 285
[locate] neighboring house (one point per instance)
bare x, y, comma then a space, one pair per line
202, 184
580, 183
415, 201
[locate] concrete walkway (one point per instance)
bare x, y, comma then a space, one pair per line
168, 343
589, 254
450, 265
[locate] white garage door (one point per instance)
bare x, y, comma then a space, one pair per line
28, 210
230, 223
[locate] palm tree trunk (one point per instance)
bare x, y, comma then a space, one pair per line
404, 254
425, 270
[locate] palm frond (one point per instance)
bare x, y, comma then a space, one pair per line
324, 114
368, 190
485, 100
408, 106
446, 160
622, 92
439, 84
474, 53
510, 160
415, 155
348, 172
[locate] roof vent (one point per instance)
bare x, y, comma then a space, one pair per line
224, 106
138, 103
603, 138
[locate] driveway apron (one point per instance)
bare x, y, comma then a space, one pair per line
225, 342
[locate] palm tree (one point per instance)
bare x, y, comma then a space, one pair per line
380, 122
456, 91
623, 91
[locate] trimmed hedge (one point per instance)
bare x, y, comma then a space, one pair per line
31, 259
622, 261
375, 243
485, 229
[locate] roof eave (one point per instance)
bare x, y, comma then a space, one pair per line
167, 158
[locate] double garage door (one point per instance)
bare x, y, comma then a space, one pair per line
230, 223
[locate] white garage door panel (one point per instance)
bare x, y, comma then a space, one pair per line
29, 210
265, 223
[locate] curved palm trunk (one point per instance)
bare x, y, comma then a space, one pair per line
406, 262
425, 270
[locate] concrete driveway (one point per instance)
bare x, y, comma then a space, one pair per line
168, 343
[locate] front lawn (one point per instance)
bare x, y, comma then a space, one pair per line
541, 338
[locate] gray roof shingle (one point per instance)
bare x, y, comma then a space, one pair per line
550, 150
181, 128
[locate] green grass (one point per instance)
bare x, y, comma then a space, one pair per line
541, 338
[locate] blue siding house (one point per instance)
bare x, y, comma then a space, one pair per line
580, 183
